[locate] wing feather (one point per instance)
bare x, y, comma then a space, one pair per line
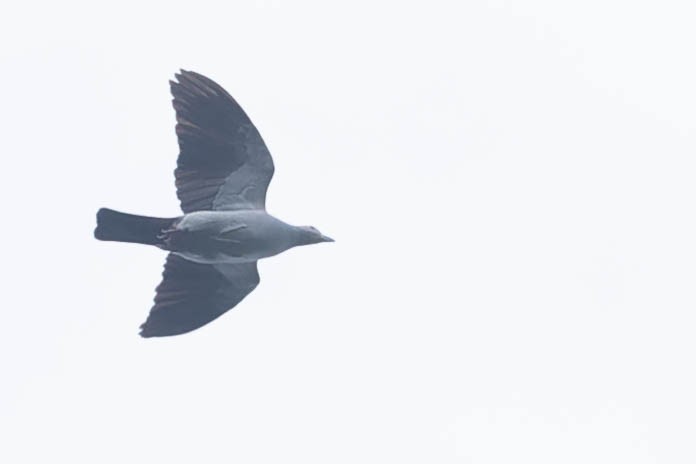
223, 162
191, 295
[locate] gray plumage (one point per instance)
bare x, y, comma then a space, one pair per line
222, 174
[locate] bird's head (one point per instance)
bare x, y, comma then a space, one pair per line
309, 235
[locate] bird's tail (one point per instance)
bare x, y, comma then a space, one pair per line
121, 227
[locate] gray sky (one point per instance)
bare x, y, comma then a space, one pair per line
510, 185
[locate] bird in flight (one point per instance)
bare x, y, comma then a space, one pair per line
222, 173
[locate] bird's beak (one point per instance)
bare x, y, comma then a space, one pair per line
324, 238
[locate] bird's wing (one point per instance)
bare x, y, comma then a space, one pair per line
192, 295
223, 162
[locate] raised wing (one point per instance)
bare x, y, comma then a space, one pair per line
192, 295
223, 162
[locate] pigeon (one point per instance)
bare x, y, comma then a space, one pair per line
222, 174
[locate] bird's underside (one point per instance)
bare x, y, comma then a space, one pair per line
227, 237
223, 165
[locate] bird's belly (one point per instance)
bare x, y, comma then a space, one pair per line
214, 250
218, 258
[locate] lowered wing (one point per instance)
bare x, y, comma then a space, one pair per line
192, 295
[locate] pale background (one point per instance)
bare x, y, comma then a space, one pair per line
510, 185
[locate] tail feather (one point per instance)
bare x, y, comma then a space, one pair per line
121, 227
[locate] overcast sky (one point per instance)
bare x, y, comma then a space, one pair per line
510, 185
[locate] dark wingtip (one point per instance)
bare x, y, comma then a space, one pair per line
148, 332
98, 232
144, 332
183, 73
